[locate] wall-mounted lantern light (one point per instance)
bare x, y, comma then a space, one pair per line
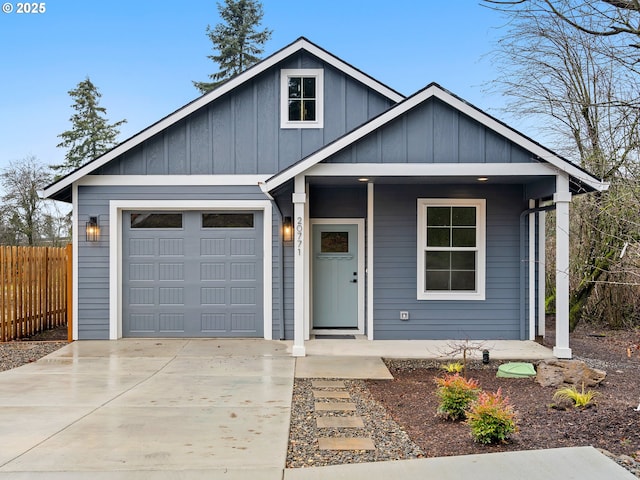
92, 229
287, 230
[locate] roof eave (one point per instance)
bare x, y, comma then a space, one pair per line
255, 70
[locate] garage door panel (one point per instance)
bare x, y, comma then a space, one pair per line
213, 247
213, 296
243, 296
171, 271
143, 323
243, 271
171, 322
213, 271
193, 281
142, 272
142, 296
214, 323
171, 247
171, 296
142, 247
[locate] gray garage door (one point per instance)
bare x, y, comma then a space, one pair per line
192, 274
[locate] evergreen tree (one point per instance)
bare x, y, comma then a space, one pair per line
91, 135
236, 39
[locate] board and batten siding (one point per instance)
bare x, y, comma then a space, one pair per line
240, 132
433, 132
395, 250
93, 258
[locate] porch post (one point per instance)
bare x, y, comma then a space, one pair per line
532, 272
542, 295
299, 225
562, 198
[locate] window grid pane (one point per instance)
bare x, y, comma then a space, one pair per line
302, 99
451, 253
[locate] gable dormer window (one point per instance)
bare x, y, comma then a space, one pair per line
301, 96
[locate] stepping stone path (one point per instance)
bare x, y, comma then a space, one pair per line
336, 395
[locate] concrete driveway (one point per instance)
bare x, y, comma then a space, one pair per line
139, 409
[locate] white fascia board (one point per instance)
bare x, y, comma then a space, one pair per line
188, 180
431, 169
257, 69
518, 139
411, 102
348, 139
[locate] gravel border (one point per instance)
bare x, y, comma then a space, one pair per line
18, 353
392, 443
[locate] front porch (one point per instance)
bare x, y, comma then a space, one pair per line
424, 349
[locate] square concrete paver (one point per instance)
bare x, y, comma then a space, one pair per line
334, 406
330, 394
327, 384
341, 443
340, 422
342, 367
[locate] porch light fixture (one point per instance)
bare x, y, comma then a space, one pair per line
483, 179
287, 230
92, 229
363, 179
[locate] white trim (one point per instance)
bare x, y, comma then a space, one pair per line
562, 199
532, 272
431, 169
116, 207
542, 267
164, 180
74, 268
359, 222
316, 73
299, 297
480, 248
369, 252
255, 70
411, 102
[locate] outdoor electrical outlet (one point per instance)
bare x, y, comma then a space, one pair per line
404, 315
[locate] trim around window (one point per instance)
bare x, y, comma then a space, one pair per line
311, 95
451, 257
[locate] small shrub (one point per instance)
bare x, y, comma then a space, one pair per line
580, 399
456, 394
491, 418
454, 367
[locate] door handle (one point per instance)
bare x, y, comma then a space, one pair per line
354, 281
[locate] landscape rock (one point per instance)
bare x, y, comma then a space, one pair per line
558, 373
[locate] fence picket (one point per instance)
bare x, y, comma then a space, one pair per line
33, 290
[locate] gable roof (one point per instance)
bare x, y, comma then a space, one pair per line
56, 189
434, 90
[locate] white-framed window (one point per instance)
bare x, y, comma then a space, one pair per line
302, 98
451, 249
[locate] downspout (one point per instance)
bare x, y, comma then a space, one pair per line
523, 292
280, 265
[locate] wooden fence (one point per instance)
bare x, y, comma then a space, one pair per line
34, 291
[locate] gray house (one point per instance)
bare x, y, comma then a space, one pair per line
304, 197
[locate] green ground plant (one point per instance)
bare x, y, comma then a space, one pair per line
491, 418
453, 367
580, 399
455, 394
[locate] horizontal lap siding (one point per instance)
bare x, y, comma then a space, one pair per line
395, 257
93, 258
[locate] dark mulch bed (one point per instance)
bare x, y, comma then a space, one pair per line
612, 424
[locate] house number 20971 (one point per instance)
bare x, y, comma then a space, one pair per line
299, 234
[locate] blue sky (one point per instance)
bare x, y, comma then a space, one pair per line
143, 55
